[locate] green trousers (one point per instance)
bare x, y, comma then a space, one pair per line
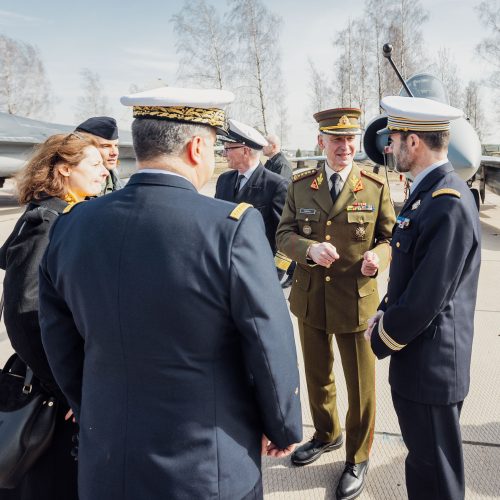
358, 363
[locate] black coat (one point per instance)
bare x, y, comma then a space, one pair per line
279, 165
265, 190
177, 354
431, 297
53, 477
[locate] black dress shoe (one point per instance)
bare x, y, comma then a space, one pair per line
313, 449
288, 281
352, 480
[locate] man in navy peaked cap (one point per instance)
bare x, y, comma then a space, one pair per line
425, 323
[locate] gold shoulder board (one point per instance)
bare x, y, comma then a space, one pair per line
70, 207
303, 175
239, 211
373, 177
452, 192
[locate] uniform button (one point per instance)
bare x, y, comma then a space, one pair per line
329, 223
398, 244
327, 279
386, 300
328, 237
307, 219
296, 390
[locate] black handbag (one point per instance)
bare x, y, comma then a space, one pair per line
27, 421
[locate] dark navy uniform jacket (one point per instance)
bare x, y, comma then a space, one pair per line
428, 323
177, 353
265, 190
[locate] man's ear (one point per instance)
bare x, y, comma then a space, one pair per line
193, 149
320, 142
414, 140
64, 169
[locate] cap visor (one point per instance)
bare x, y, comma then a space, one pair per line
384, 131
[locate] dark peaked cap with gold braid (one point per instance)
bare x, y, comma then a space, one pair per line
197, 106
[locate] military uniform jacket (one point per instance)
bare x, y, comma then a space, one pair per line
178, 353
428, 322
265, 190
279, 165
339, 299
112, 183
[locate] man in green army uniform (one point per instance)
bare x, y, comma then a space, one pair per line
337, 223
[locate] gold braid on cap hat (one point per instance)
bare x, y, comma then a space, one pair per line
344, 123
208, 116
398, 123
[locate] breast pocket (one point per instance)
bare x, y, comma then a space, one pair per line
308, 222
361, 225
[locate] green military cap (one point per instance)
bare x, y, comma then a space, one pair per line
339, 121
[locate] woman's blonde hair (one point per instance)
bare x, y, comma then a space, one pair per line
40, 177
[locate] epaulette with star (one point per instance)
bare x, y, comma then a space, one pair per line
237, 212
304, 174
373, 177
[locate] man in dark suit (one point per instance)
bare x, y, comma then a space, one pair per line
248, 181
426, 320
277, 161
177, 356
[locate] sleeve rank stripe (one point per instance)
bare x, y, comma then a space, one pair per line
281, 261
239, 211
453, 192
386, 339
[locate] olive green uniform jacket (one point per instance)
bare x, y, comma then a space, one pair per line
339, 299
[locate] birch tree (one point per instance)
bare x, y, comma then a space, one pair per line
93, 102
473, 107
320, 91
256, 30
24, 86
203, 44
405, 34
449, 74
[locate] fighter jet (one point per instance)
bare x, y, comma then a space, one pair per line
464, 148
18, 137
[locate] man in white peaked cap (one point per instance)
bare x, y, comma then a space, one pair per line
426, 320
248, 181
177, 359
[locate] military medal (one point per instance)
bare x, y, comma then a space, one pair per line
360, 207
360, 233
307, 229
402, 222
415, 205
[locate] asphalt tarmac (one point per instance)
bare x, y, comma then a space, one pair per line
480, 415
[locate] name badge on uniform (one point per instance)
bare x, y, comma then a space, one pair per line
402, 222
307, 211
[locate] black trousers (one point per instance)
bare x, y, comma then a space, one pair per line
434, 466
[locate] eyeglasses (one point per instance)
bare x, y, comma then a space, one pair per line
225, 150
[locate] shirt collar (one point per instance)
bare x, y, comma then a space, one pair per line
344, 173
250, 171
420, 177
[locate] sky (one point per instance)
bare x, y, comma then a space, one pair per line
133, 43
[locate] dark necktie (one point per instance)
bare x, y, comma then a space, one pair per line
238, 184
335, 191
